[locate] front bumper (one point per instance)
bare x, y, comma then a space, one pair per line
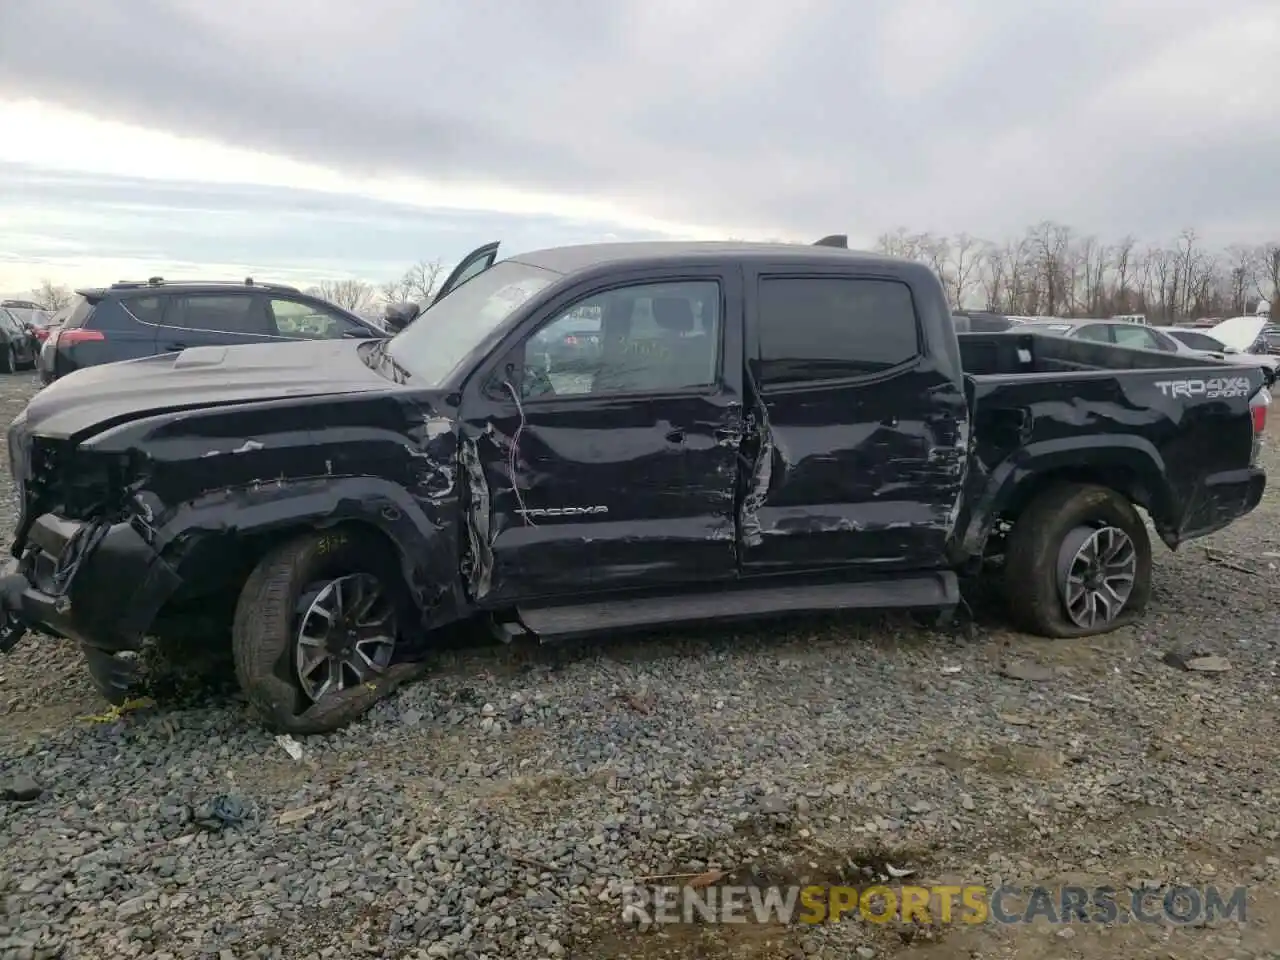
101, 587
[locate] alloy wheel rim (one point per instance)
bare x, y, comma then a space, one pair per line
1097, 568
346, 635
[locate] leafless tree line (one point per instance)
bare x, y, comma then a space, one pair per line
417, 285
1053, 271
1049, 271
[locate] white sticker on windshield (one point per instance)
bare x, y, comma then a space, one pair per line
517, 293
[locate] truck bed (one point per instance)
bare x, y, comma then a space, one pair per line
1017, 353
1175, 429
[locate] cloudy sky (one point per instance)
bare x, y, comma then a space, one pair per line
301, 139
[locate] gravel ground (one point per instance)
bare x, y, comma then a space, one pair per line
492, 809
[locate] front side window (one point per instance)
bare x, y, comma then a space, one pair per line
646, 338
833, 328
219, 314
307, 322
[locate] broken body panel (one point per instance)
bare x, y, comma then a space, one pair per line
158, 482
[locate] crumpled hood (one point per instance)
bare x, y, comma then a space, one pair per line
199, 377
1238, 332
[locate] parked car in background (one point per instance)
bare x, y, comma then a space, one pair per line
1246, 335
130, 320
32, 316
1123, 333
1233, 342
981, 321
18, 348
575, 344
1199, 341
1271, 333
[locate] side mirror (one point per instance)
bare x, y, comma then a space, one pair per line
400, 315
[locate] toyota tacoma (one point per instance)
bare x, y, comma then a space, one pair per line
757, 429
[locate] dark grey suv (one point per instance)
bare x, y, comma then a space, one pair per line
129, 320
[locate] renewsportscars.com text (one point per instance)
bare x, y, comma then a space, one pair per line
943, 904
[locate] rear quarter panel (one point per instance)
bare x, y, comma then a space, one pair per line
1161, 436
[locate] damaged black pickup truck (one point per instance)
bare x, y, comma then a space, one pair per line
585, 439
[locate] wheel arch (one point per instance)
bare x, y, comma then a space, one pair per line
214, 542
1130, 466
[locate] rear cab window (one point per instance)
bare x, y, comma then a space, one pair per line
833, 328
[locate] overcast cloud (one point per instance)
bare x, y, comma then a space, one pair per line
742, 116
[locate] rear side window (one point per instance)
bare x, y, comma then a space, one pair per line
833, 328
220, 314
1098, 332
147, 309
1136, 337
1198, 341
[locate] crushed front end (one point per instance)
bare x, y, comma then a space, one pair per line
84, 564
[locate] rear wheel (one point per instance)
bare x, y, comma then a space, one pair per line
316, 631
9, 359
1078, 563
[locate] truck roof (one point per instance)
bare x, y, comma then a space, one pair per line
572, 259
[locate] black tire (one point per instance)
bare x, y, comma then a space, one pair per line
8, 359
266, 617
1032, 593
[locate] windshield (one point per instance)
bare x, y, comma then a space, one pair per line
447, 331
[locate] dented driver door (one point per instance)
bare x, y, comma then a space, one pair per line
616, 469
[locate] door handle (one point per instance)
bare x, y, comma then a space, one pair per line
175, 346
675, 436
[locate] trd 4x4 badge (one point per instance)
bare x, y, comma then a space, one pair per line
1216, 388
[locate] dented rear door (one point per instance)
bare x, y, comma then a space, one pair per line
860, 425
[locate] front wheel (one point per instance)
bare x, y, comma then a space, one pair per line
9, 359
316, 631
1078, 563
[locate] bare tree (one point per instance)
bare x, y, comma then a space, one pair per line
1051, 244
1242, 266
1123, 274
50, 296
353, 295
422, 280
993, 276
418, 284
1268, 282
1052, 271
965, 257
